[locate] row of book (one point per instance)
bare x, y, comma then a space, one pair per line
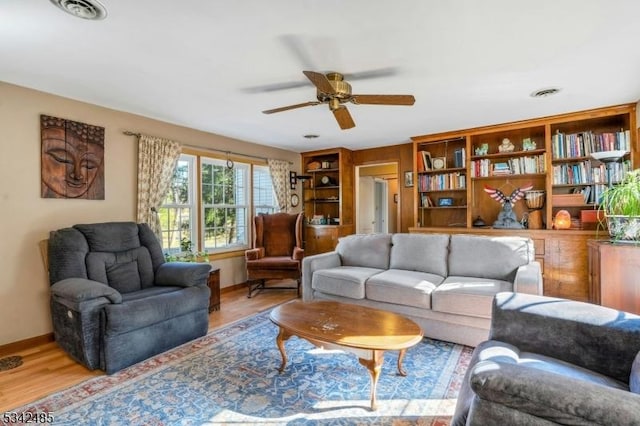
441, 182
425, 160
583, 144
586, 173
513, 166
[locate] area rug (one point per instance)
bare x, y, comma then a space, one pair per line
231, 376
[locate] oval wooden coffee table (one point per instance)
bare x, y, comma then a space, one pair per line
366, 332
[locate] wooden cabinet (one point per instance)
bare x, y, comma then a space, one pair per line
328, 198
550, 154
214, 285
613, 275
562, 256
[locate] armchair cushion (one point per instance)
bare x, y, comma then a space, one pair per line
82, 289
274, 263
182, 274
110, 236
126, 271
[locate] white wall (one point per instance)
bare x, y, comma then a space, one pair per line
26, 219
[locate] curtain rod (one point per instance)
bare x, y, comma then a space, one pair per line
129, 133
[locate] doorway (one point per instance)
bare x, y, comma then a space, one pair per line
377, 203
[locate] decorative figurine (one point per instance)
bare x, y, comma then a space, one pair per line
482, 149
528, 144
506, 146
507, 217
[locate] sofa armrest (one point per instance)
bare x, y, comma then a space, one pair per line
254, 253
182, 274
591, 336
528, 279
560, 399
314, 263
78, 290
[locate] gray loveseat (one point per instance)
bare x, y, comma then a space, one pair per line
553, 361
114, 300
445, 283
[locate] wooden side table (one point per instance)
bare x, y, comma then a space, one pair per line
214, 286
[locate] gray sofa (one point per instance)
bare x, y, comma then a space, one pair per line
114, 300
445, 283
553, 361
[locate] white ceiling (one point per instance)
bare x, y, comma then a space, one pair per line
197, 63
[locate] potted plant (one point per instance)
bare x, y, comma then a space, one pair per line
621, 206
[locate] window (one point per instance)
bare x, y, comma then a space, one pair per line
220, 219
264, 199
225, 205
178, 210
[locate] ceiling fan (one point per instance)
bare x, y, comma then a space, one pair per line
334, 91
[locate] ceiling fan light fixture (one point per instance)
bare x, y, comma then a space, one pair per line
91, 10
543, 93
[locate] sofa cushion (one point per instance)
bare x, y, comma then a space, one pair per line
467, 295
369, 251
420, 252
345, 281
484, 257
410, 288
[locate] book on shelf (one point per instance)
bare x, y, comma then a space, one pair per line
459, 157
582, 144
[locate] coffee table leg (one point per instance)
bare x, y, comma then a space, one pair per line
283, 335
400, 358
374, 365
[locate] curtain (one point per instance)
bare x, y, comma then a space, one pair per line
279, 171
157, 159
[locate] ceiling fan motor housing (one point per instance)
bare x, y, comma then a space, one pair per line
342, 89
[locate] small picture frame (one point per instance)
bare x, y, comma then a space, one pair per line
293, 179
445, 202
408, 179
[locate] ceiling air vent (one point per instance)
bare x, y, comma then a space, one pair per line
543, 93
85, 9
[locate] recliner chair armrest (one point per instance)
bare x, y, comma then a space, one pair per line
313, 263
82, 289
298, 253
182, 274
528, 279
561, 399
591, 336
254, 254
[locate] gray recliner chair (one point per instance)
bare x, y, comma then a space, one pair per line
114, 300
553, 361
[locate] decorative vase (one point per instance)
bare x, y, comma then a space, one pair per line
624, 228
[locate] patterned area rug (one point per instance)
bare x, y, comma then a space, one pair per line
231, 376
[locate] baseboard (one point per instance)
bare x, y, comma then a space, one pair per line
21, 345
234, 287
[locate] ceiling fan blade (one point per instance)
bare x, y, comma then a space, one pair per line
286, 108
343, 118
320, 81
363, 75
276, 86
383, 99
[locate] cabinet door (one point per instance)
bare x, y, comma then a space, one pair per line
320, 239
566, 267
619, 271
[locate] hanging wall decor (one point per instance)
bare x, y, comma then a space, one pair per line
72, 159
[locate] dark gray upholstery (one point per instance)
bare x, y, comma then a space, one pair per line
114, 300
552, 361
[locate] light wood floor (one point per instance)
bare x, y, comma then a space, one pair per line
47, 369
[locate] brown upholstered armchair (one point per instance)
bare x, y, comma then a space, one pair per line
277, 250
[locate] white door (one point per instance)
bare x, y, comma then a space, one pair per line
380, 224
366, 201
